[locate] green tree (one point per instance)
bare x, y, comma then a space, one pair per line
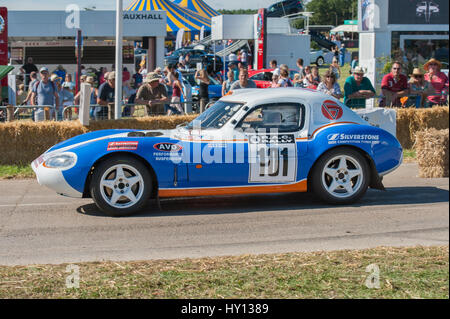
332, 12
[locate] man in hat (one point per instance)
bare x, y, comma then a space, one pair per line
152, 94
106, 95
438, 80
45, 93
394, 86
357, 89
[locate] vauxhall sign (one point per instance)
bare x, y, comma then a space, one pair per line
142, 16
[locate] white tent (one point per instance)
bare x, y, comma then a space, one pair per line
345, 28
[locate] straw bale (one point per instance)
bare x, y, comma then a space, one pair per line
432, 148
23, 141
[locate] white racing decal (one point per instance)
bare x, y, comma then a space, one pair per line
341, 138
272, 158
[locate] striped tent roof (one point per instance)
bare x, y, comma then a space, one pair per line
177, 17
198, 6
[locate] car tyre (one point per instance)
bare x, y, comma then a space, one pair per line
320, 61
341, 176
121, 186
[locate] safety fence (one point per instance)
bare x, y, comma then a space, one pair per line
411, 100
97, 112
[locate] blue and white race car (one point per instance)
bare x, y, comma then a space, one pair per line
249, 142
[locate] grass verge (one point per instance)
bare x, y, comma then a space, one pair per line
16, 172
416, 272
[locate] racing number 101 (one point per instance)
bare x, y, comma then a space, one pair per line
269, 161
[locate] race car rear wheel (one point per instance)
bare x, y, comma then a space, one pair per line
341, 176
121, 186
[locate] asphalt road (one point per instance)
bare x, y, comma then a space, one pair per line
40, 227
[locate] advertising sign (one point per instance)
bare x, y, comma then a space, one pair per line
4, 40
262, 39
418, 12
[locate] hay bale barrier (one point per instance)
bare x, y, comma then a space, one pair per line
411, 120
432, 153
24, 141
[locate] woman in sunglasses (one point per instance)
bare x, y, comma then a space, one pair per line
330, 86
438, 80
420, 88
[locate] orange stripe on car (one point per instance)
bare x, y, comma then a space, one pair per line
263, 189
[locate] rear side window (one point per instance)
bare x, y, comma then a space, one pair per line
283, 117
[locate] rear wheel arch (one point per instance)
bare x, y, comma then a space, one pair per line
86, 192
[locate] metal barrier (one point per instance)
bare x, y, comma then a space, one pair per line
411, 100
13, 111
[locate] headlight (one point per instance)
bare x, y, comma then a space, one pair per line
62, 161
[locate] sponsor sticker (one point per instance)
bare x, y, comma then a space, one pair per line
271, 139
38, 161
122, 146
342, 138
168, 147
331, 110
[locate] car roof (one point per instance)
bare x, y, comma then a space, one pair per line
258, 95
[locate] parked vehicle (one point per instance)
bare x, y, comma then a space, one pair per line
263, 77
284, 8
317, 57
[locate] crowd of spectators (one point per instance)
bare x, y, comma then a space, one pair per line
161, 90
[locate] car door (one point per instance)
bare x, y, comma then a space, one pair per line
272, 131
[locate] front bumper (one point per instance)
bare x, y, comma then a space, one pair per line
53, 178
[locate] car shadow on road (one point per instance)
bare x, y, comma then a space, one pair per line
278, 202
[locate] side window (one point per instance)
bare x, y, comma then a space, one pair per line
258, 77
268, 76
284, 117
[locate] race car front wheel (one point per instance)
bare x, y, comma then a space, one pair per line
121, 186
341, 176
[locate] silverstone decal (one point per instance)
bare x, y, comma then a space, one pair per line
341, 138
331, 110
273, 158
167, 147
122, 146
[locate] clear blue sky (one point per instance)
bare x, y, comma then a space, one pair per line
110, 4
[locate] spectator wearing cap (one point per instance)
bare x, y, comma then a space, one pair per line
438, 80
357, 89
106, 95
152, 94
44, 94
394, 86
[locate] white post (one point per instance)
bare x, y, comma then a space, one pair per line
85, 103
119, 44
